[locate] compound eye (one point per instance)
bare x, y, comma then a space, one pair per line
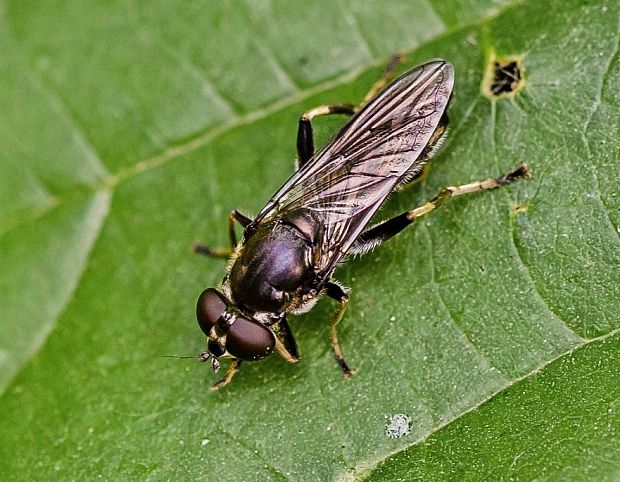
248, 340
210, 306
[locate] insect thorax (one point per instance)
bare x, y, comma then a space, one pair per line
271, 268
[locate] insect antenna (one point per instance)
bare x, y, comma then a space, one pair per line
203, 357
180, 357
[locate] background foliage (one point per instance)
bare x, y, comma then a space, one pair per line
129, 130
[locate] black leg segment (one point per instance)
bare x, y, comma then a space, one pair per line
380, 233
305, 138
286, 346
233, 216
305, 141
335, 292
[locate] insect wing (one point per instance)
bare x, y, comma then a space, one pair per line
349, 178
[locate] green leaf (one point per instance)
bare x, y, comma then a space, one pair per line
129, 131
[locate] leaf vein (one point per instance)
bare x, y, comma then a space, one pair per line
185, 62
256, 454
62, 107
584, 137
464, 338
521, 266
277, 68
524, 270
434, 11
355, 28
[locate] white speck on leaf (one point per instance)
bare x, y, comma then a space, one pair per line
398, 426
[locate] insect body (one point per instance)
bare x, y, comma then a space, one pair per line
288, 253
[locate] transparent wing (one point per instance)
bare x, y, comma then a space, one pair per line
345, 183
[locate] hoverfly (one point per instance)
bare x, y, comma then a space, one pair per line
285, 261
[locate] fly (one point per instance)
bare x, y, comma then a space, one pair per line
288, 253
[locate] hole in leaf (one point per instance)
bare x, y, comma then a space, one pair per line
504, 77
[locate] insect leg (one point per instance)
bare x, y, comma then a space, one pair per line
225, 252
286, 346
230, 373
382, 232
337, 293
385, 79
305, 139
